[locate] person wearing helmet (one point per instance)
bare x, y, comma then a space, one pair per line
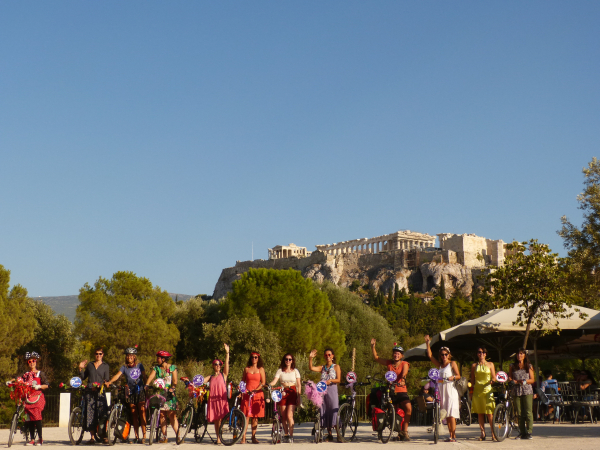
400, 398
35, 402
136, 375
168, 372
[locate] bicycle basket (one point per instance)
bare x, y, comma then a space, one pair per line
156, 401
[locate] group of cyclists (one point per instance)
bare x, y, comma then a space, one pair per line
138, 382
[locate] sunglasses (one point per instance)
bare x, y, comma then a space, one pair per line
328, 355
99, 354
29, 361
288, 359
254, 357
443, 354
481, 353
216, 364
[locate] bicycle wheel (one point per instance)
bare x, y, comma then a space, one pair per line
275, 435
500, 422
513, 418
389, 420
318, 437
436, 423
347, 422
154, 426
185, 423
76, 426
111, 427
465, 413
13, 427
232, 427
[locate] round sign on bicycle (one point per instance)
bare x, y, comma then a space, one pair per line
198, 380
321, 387
501, 377
351, 377
276, 396
433, 374
242, 387
159, 383
391, 376
75, 382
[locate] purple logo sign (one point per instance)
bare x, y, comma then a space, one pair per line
242, 387
351, 377
391, 376
276, 396
321, 387
75, 382
135, 373
434, 374
198, 380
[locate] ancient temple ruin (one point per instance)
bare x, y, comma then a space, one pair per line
400, 240
288, 251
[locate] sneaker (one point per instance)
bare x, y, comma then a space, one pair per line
528, 436
32, 442
519, 437
39, 442
286, 439
291, 439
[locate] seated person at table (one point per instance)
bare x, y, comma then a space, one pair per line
586, 380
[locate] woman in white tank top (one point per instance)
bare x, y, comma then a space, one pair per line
289, 378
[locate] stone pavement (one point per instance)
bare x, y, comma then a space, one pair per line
547, 436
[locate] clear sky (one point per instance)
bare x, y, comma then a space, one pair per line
165, 138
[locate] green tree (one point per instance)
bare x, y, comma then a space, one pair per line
583, 243
244, 335
290, 306
360, 324
124, 311
55, 340
533, 278
443, 289
17, 324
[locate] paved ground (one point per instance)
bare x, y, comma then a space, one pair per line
547, 436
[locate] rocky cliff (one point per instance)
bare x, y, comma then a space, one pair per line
423, 270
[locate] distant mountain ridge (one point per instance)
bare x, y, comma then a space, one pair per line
67, 304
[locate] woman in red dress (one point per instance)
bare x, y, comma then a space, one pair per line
253, 401
218, 407
35, 402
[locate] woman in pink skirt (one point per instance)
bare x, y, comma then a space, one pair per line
218, 407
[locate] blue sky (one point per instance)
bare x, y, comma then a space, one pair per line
165, 137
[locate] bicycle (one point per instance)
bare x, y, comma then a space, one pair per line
505, 417
194, 414
113, 430
154, 405
347, 422
76, 426
275, 394
433, 377
315, 393
20, 391
465, 410
234, 423
386, 419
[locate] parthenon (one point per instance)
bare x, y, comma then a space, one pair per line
404, 239
287, 251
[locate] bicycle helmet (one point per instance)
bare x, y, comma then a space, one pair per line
32, 355
397, 348
163, 354
130, 351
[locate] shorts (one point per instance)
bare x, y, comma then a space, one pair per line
290, 396
400, 397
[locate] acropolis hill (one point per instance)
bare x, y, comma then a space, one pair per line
405, 257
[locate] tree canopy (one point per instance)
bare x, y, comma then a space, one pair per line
17, 323
124, 311
583, 243
534, 278
290, 306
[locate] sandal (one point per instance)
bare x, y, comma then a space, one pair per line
92, 441
450, 440
255, 441
481, 438
143, 441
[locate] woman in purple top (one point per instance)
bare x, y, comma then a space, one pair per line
136, 396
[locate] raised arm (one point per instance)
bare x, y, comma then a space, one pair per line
429, 354
226, 368
383, 362
310, 360
83, 372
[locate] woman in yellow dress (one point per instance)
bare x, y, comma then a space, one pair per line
482, 403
